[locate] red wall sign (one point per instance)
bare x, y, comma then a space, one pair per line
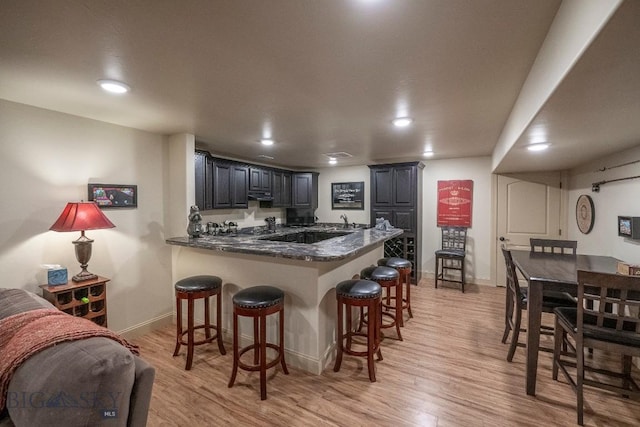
455, 201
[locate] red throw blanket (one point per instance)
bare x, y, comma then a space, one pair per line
25, 334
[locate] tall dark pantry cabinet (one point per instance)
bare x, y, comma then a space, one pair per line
396, 195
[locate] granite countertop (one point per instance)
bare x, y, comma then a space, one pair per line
353, 242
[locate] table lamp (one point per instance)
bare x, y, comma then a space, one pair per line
82, 216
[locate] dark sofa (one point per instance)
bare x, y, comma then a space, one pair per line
88, 382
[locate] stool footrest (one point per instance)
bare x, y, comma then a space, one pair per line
204, 341
269, 364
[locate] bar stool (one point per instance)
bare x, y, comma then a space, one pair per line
387, 278
359, 293
258, 302
192, 288
403, 266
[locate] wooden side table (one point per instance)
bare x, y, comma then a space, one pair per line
86, 299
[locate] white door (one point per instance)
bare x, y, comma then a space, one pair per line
528, 205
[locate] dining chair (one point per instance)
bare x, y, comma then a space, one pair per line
611, 325
516, 302
452, 255
553, 246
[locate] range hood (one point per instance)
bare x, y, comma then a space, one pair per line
261, 196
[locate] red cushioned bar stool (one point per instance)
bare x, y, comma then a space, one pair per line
191, 289
363, 294
258, 302
389, 279
403, 267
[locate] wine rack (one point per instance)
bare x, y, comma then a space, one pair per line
86, 299
403, 247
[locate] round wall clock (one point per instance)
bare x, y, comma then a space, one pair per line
585, 213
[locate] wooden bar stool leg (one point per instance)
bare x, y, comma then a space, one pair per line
398, 287
178, 325
348, 327
207, 319
437, 272
339, 340
256, 341
235, 349
263, 357
407, 280
378, 323
399, 303
371, 338
190, 337
219, 324
283, 363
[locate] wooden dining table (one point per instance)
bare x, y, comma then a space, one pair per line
551, 271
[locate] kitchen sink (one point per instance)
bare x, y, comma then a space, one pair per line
306, 236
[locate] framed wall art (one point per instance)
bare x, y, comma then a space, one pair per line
347, 195
455, 202
113, 195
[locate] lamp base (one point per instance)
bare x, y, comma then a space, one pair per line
83, 254
84, 275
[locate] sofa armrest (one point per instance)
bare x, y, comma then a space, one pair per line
141, 393
85, 382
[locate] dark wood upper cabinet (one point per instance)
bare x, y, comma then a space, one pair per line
260, 179
230, 185
204, 180
239, 186
281, 189
304, 193
393, 186
382, 187
404, 185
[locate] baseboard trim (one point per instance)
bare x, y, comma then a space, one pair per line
147, 327
470, 280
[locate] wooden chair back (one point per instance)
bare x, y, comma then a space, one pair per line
513, 286
454, 238
612, 303
554, 246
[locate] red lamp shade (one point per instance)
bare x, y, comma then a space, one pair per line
81, 216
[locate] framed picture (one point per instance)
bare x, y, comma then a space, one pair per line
455, 203
113, 195
347, 195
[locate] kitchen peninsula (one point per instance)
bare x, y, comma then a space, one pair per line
306, 272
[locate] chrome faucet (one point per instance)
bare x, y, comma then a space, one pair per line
346, 221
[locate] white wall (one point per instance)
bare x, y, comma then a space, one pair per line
616, 198
46, 160
342, 174
480, 235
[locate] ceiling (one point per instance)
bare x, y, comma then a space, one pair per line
323, 76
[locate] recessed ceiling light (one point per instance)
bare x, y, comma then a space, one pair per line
332, 161
428, 153
402, 122
537, 147
114, 86
266, 141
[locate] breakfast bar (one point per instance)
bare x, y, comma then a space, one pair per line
306, 272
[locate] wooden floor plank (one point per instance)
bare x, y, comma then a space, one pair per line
450, 370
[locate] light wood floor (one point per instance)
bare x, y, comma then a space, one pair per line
449, 371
